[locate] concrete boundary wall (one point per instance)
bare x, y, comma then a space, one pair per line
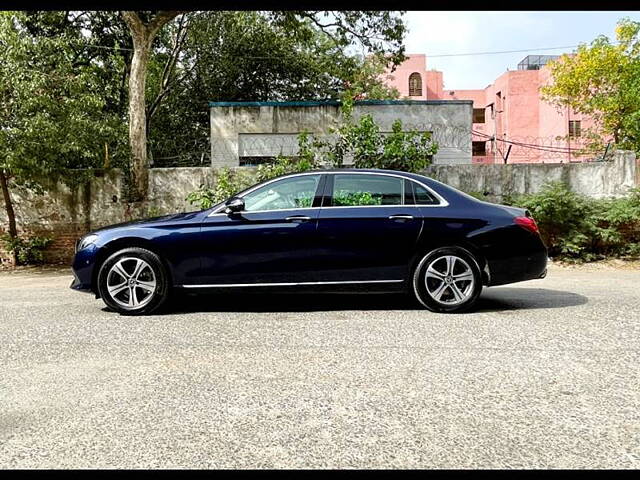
594, 179
65, 214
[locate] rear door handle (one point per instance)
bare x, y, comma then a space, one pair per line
401, 218
298, 219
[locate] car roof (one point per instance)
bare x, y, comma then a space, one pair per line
357, 170
410, 175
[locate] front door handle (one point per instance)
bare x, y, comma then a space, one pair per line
401, 218
298, 219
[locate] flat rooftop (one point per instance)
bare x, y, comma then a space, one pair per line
338, 102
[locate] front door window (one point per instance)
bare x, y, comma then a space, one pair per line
285, 194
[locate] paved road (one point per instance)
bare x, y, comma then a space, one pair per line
544, 374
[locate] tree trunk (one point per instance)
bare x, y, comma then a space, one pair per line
8, 205
137, 117
143, 36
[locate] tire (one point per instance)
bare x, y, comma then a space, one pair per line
134, 270
443, 290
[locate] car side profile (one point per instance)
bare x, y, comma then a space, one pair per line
378, 230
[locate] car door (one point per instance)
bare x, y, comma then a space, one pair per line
273, 240
368, 231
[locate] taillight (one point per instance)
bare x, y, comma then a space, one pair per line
527, 223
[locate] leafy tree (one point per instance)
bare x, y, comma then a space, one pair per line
363, 142
603, 80
52, 117
258, 56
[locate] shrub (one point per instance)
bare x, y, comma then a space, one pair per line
227, 185
28, 251
577, 227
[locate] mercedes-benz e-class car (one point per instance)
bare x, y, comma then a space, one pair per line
377, 230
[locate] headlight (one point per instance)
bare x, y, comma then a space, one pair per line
85, 241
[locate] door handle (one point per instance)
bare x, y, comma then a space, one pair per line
401, 218
298, 219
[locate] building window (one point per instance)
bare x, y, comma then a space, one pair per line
479, 149
415, 85
574, 128
478, 115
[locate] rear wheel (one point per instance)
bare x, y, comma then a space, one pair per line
447, 279
133, 281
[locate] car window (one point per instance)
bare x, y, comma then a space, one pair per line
422, 196
288, 193
359, 190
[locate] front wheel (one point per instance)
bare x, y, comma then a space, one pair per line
447, 279
133, 281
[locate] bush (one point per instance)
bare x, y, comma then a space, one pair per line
577, 227
227, 185
28, 251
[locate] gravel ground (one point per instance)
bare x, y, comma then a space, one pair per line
544, 374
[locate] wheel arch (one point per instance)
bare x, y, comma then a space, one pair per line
427, 246
116, 244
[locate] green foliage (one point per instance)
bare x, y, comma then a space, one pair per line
204, 197
53, 108
28, 251
409, 151
346, 198
603, 80
305, 160
363, 142
577, 227
262, 56
227, 185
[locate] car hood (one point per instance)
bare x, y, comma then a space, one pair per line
153, 221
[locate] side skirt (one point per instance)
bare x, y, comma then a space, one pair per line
286, 284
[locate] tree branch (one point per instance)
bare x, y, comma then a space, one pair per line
133, 21
165, 83
160, 19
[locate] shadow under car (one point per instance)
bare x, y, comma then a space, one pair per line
492, 299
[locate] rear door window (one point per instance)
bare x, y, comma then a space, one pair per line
358, 190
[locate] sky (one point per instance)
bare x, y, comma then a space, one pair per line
442, 33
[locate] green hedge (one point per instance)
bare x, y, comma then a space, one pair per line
581, 228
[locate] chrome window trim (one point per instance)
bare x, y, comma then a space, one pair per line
284, 284
441, 199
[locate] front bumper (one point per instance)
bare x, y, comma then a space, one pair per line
83, 270
77, 285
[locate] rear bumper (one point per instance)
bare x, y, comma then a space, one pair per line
518, 268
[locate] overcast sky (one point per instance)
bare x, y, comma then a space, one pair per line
438, 33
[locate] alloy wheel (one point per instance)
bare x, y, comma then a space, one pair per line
449, 280
131, 282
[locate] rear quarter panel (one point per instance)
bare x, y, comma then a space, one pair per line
509, 252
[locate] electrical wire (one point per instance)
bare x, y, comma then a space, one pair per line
272, 57
532, 146
500, 52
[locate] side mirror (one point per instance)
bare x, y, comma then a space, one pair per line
234, 205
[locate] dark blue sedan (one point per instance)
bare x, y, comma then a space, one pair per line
378, 230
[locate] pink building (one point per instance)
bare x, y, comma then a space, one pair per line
510, 120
